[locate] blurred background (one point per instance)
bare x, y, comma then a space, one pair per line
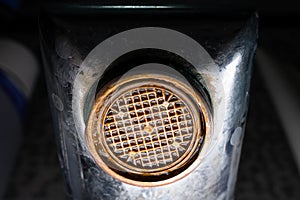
270, 159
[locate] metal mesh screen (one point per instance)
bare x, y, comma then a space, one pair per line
148, 127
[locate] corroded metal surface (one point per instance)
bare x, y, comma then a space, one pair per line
146, 127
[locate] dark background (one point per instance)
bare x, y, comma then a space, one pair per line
267, 167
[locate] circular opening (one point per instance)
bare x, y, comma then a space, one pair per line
146, 130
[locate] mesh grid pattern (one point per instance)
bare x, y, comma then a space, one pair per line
148, 127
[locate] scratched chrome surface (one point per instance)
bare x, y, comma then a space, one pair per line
226, 79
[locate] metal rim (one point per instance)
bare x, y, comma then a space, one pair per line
104, 158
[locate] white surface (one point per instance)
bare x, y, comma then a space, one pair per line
20, 64
285, 97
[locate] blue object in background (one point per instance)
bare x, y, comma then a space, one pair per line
16, 96
13, 4
18, 72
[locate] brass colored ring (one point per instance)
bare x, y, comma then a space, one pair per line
147, 130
